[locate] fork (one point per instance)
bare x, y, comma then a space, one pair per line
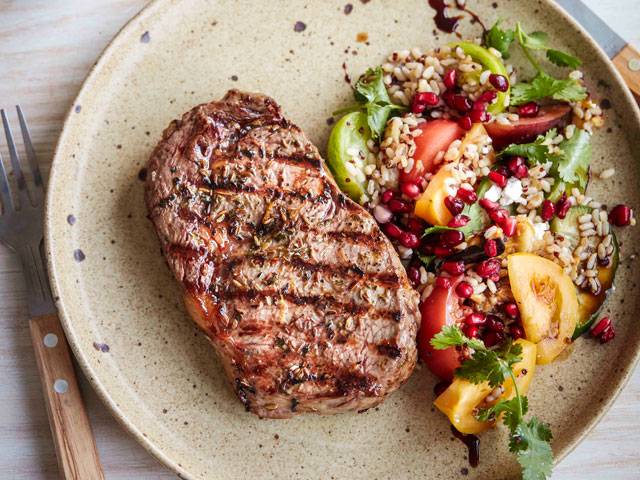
21, 230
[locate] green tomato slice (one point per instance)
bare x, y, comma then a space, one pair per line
491, 63
347, 152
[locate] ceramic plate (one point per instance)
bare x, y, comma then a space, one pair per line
122, 310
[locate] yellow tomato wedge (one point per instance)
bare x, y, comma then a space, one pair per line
547, 301
462, 399
525, 238
430, 206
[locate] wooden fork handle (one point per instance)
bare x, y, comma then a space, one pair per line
74, 443
627, 62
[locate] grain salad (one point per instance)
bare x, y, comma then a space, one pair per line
479, 178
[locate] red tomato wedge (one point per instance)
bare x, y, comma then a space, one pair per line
526, 129
442, 307
436, 136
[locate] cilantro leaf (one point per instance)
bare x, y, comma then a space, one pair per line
372, 97
543, 86
488, 365
510, 408
573, 163
535, 151
427, 260
452, 336
377, 116
533, 40
530, 442
562, 59
499, 39
370, 87
436, 229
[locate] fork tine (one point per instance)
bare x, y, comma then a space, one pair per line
5, 193
23, 194
31, 156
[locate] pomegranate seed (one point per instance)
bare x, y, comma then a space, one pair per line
447, 97
422, 184
601, 326
487, 204
471, 331
428, 98
495, 324
530, 109
479, 116
450, 78
479, 106
499, 82
487, 97
443, 282
498, 178
382, 214
399, 206
503, 170
454, 268
511, 309
410, 189
392, 230
440, 251
467, 196
423, 100
458, 221
466, 122
451, 238
493, 338
415, 225
491, 248
409, 240
427, 249
521, 172
514, 163
516, 332
562, 206
608, 335
464, 290
509, 226
461, 103
620, 215
489, 268
387, 195
499, 215
454, 205
547, 211
475, 318
414, 275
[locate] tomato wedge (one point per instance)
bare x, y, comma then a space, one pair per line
442, 307
436, 136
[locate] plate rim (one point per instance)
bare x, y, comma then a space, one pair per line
103, 394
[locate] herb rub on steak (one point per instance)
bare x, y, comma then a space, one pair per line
301, 295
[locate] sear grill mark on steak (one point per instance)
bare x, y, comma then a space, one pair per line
300, 294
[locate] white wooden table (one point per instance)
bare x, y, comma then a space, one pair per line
46, 49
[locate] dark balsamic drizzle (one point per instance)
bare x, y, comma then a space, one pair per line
449, 24
473, 445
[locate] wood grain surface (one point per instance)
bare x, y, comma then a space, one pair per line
46, 49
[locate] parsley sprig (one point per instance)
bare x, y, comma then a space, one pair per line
372, 97
529, 439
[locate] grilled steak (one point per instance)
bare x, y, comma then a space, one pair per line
301, 295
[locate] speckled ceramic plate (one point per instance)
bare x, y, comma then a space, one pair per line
122, 310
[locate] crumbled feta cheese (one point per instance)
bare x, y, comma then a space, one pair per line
512, 192
493, 193
539, 229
